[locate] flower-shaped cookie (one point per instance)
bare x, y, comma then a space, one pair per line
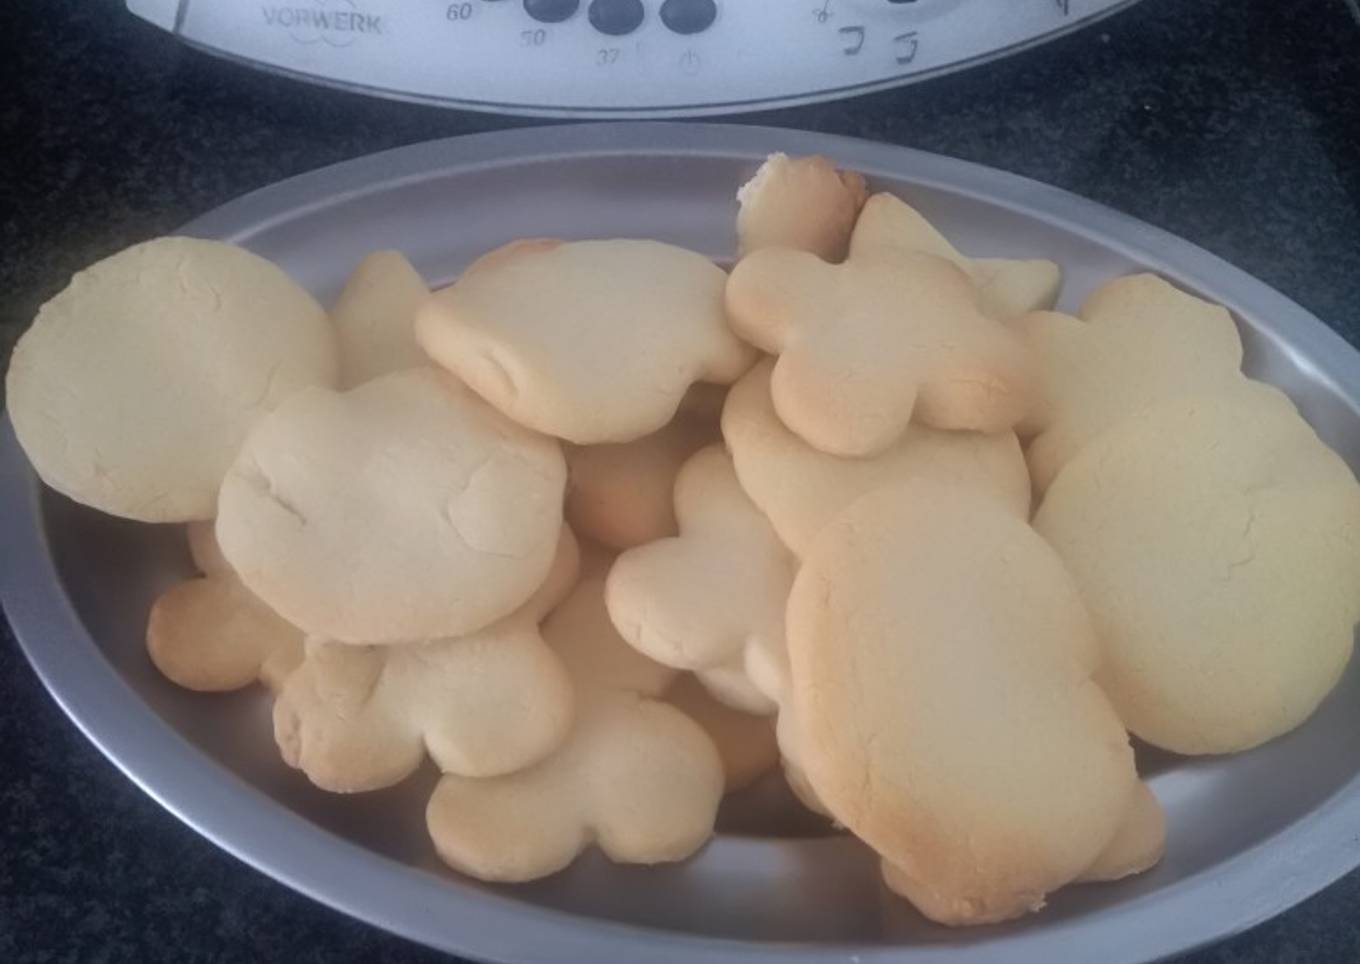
1007, 288
636, 776
866, 346
802, 488
802, 203
711, 599
212, 634
1216, 541
363, 717
590, 341
1138, 341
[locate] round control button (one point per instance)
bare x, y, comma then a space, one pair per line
616, 17
551, 11
689, 16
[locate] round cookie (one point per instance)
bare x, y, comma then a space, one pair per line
137, 384
620, 494
1216, 541
802, 488
401, 510
375, 318
802, 203
941, 677
590, 341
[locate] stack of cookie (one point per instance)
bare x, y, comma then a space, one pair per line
604, 532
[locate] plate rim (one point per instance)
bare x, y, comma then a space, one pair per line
452, 915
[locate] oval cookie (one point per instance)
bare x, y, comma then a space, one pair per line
941, 676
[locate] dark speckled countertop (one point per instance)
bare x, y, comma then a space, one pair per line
1235, 123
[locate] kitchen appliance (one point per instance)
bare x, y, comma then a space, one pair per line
617, 58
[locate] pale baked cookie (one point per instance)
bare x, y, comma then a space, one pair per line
364, 717
620, 494
1138, 844
583, 636
1006, 287
802, 488
375, 318
204, 550
401, 510
212, 634
745, 742
136, 385
800, 202
866, 346
590, 341
1216, 541
1138, 341
941, 674
636, 777
707, 598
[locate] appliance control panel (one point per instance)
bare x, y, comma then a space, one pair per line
617, 58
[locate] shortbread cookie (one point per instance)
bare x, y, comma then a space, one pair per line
802, 488
212, 634
941, 674
401, 510
802, 203
620, 494
1138, 844
363, 717
703, 600
204, 550
745, 742
636, 776
1139, 341
1007, 288
375, 318
1216, 541
866, 346
582, 635
136, 385
590, 341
